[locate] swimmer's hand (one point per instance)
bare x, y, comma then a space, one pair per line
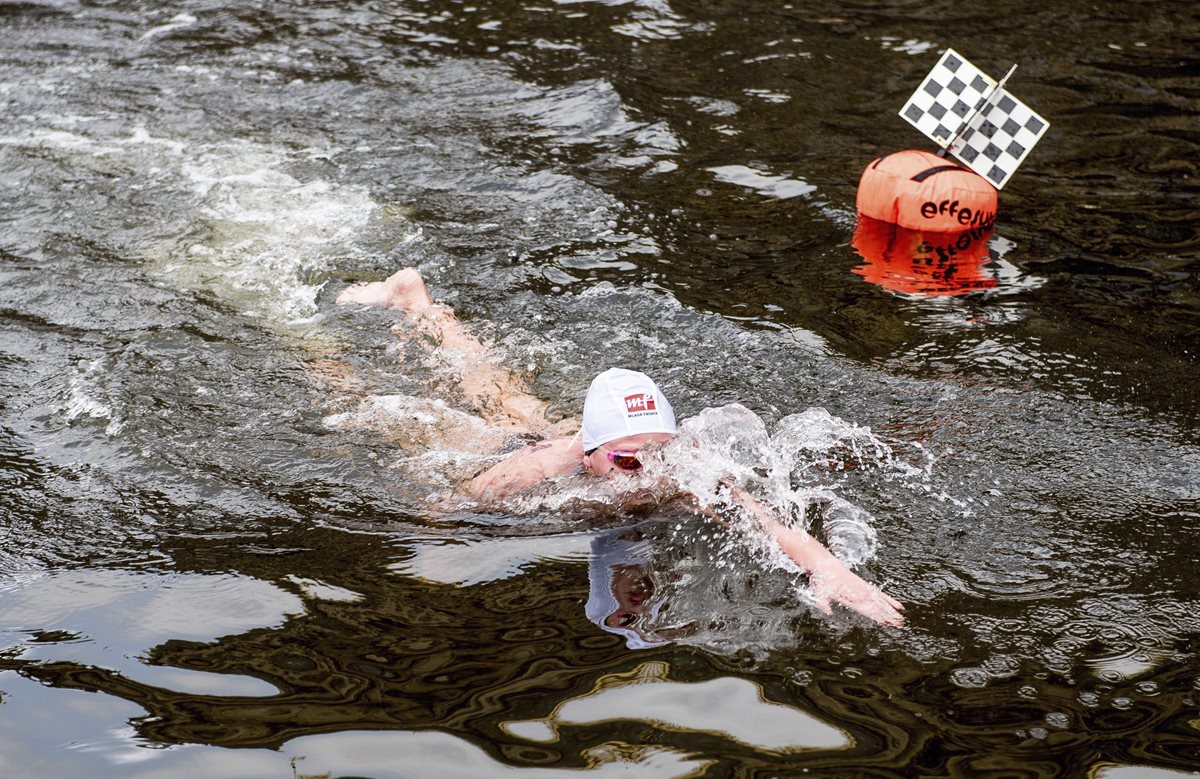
850, 590
832, 581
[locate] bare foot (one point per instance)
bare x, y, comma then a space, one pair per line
403, 291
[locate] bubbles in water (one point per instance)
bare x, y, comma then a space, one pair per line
969, 678
1149, 689
1058, 719
1001, 666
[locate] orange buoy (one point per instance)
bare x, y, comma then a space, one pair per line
922, 191
923, 262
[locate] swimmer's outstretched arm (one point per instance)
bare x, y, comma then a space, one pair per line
832, 581
498, 394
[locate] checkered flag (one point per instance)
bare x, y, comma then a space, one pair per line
972, 116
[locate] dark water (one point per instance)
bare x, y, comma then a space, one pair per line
202, 576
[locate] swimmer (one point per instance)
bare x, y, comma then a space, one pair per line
624, 413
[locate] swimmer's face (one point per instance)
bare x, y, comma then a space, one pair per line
599, 462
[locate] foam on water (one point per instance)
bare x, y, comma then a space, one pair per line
80, 402
436, 446
238, 220
268, 234
178, 21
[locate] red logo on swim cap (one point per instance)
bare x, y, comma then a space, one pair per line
639, 402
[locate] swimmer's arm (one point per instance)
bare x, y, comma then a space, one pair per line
526, 467
831, 580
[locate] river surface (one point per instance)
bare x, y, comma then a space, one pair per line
221, 554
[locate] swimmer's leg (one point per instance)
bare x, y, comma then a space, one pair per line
499, 395
402, 291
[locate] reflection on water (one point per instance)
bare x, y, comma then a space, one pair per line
111, 618
647, 694
923, 263
215, 528
94, 747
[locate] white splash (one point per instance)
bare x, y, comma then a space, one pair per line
80, 401
177, 21
790, 471
266, 234
793, 471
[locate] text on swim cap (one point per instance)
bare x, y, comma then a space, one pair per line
641, 401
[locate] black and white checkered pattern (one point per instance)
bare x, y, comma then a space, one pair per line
960, 108
952, 91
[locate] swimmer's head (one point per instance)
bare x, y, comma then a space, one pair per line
623, 412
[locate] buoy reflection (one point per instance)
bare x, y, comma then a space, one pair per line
919, 262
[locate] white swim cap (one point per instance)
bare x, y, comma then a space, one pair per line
621, 403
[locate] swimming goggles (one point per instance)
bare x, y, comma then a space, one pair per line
625, 461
